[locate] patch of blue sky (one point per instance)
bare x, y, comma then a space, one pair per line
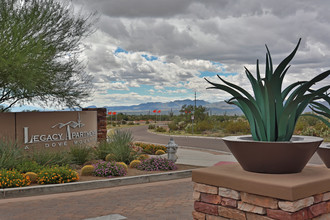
210, 73
120, 50
149, 58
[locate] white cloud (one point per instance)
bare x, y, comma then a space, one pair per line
188, 35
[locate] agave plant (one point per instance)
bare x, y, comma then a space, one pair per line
272, 112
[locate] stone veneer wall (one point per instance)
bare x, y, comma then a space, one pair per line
217, 203
101, 122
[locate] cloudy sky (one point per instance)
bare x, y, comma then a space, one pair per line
160, 50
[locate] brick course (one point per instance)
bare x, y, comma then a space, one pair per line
218, 203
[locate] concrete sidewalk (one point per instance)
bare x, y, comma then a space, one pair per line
204, 158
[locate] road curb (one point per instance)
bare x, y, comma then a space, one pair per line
89, 185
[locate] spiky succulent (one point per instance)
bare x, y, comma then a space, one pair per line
272, 112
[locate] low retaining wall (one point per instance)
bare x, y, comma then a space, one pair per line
228, 192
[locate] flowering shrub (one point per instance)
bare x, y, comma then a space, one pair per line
109, 169
13, 178
150, 148
156, 164
55, 175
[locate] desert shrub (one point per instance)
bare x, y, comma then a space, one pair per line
10, 154
13, 178
109, 169
151, 126
160, 152
238, 126
54, 175
156, 164
122, 164
204, 125
143, 157
32, 176
134, 163
80, 154
110, 157
173, 126
121, 146
102, 150
29, 166
87, 170
51, 158
151, 148
160, 129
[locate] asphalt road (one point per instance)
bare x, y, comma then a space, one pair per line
141, 133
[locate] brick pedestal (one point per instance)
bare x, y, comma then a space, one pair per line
228, 192
101, 122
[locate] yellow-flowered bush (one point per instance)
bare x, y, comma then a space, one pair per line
32, 176
87, 170
160, 152
134, 163
56, 175
13, 178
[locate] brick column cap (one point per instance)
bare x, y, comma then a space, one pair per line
311, 181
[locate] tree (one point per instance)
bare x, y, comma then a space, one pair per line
200, 112
40, 43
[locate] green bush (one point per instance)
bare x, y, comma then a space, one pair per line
80, 154
239, 126
29, 166
121, 146
10, 155
151, 126
102, 150
150, 148
160, 129
51, 158
55, 175
13, 178
203, 126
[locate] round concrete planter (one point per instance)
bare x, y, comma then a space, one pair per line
273, 157
324, 152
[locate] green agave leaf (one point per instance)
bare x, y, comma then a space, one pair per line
269, 65
248, 115
258, 72
224, 88
279, 70
260, 127
305, 86
238, 88
326, 122
288, 89
291, 109
258, 90
320, 109
270, 113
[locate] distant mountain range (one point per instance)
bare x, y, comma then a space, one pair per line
215, 108
175, 107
